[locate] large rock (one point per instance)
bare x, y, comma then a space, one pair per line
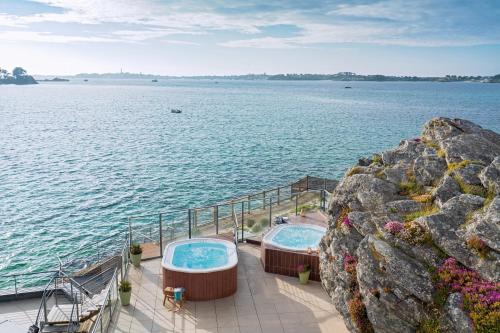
393, 273
490, 176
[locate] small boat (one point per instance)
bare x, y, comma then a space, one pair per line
154, 80
85, 80
347, 87
175, 111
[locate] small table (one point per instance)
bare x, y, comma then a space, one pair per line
174, 296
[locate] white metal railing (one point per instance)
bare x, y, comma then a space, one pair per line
102, 321
20, 283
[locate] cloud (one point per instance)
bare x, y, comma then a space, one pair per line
244, 23
47, 37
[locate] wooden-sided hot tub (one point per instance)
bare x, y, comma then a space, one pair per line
287, 246
206, 267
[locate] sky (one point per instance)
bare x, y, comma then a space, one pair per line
223, 37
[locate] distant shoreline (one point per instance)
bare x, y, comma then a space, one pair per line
343, 76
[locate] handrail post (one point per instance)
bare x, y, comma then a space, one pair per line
161, 235
307, 183
98, 254
216, 215
264, 200
242, 220
270, 212
189, 223
278, 203
195, 218
296, 204
249, 205
129, 231
15, 284
322, 206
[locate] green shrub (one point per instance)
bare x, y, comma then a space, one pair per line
256, 228
125, 286
250, 223
307, 207
135, 249
264, 222
393, 210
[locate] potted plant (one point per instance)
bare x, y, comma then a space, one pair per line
135, 254
125, 290
304, 271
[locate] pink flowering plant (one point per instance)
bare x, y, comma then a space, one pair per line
350, 263
303, 268
346, 222
481, 297
394, 227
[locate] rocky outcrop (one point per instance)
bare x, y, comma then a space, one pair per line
405, 226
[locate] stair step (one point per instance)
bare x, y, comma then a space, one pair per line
60, 328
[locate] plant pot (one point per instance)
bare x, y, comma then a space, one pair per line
136, 259
125, 297
304, 277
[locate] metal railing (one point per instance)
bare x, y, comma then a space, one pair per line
23, 283
161, 228
92, 254
109, 306
80, 296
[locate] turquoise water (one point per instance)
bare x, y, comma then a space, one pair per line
76, 159
203, 255
299, 238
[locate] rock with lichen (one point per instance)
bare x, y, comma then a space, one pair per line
423, 216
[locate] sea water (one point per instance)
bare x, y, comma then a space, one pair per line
78, 158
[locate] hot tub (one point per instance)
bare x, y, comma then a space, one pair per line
205, 267
285, 247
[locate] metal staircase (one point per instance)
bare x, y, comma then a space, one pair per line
71, 305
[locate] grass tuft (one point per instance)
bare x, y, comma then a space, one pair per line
490, 195
354, 171
478, 245
441, 153
422, 198
471, 189
425, 211
377, 158
458, 165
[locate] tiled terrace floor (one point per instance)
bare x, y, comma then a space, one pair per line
263, 303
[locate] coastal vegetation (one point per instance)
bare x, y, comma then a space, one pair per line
19, 76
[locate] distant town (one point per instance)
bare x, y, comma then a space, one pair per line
19, 76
